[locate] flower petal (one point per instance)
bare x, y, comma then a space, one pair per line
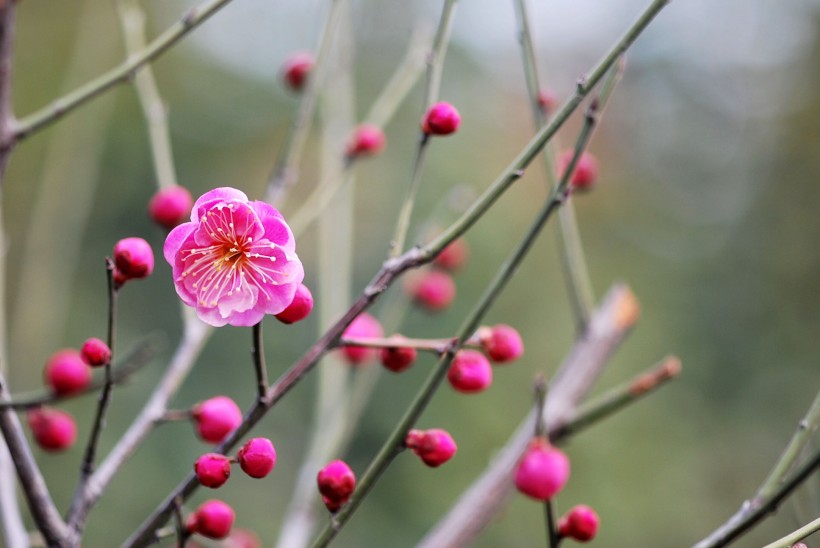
276, 230
175, 240
224, 193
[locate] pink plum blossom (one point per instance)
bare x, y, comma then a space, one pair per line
235, 261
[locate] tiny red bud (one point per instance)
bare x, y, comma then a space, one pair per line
453, 256
542, 471
53, 430
95, 352
242, 538
470, 372
215, 418
170, 206
296, 69
433, 289
333, 505
367, 140
212, 470
213, 519
299, 308
435, 447
336, 483
580, 523
413, 438
441, 119
364, 326
502, 343
66, 372
257, 457
133, 258
398, 358
586, 170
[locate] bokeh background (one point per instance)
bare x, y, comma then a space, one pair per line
707, 207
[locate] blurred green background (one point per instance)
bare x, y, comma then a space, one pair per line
706, 207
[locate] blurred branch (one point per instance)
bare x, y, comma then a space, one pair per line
392, 269
42, 507
122, 73
777, 486
796, 536
142, 353
258, 356
435, 65
382, 111
14, 530
285, 172
132, 19
607, 328
619, 397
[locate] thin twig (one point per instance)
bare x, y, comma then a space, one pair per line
258, 355
540, 431
132, 19
87, 467
608, 327
195, 336
796, 536
119, 74
619, 397
435, 65
285, 172
136, 359
777, 485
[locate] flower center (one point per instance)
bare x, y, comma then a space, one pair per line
231, 263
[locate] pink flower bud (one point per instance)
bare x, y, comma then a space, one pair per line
543, 470
364, 326
586, 170
133, 258
435, 447
336, 483
441, 119
212, 470
367, 140
95, 352
66, 372
398, 358
413, 438
580, 523
433, 289
296, 69
453, 256
170, 206
216, 418
333, 505
53, 430
502, 343
257, 457
213, 519
547, 100
470, 372
299, 308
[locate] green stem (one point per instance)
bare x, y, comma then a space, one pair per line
284, 173
755, 510
796, 536
793, 449
553, 540
121, 73
435, 65
132, 19
617, 398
